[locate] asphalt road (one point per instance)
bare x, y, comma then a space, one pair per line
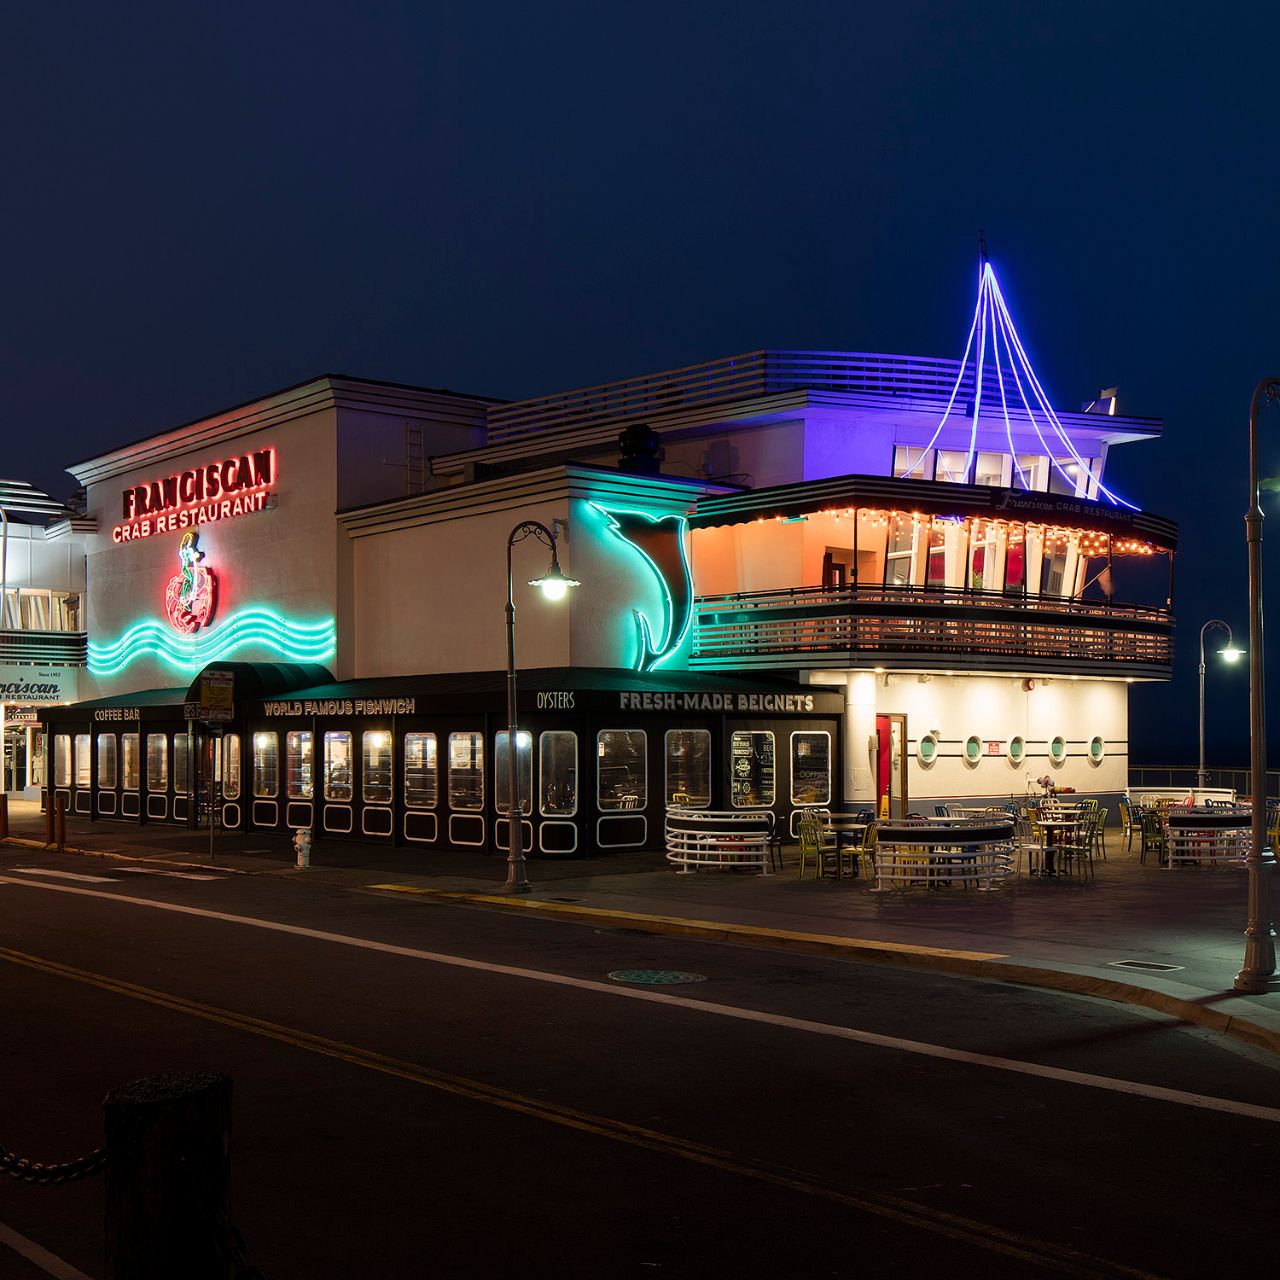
425, 1089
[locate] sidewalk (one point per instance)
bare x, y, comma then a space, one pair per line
1063, 934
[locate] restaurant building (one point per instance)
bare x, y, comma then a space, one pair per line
808, 578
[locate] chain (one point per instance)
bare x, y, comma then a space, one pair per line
51, 1175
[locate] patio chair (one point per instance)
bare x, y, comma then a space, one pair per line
1153, 836
1127, 823
1078, 852
1099, 835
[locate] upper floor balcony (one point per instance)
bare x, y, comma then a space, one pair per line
908, 627
44, 648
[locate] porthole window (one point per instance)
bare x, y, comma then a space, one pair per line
1097, 749
927, 749
1017, 750
1058, 750
972, 750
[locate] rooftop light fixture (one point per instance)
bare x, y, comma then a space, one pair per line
991, 317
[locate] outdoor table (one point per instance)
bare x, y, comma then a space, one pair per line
846, 830
1055, 830
939, 851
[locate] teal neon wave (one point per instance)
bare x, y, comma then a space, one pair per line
293, 641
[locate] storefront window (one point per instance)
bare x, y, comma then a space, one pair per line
466, 771
688, 767
130, 760
337, 765
751, 769
558, 772
181, 750
83, 765
954, 465
375, 782
810, 768
231, 766
62, 760
622, 774
524, 771
266, 765
421, 775
106, 761
298, 768
157, 762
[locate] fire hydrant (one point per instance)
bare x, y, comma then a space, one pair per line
302, 845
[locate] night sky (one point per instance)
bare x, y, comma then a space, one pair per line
205, 203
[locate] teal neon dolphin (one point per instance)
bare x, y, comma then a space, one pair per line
660, 543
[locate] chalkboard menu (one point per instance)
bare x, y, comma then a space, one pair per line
751, 767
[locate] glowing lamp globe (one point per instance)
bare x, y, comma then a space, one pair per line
554, 583
1231, 653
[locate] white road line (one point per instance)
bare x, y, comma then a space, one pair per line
46, 1261
63, 875
176, 875
921, 1048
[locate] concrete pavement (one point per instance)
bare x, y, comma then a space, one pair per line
1066, 934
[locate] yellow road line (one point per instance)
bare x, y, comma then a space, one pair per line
969, 1231
699, 927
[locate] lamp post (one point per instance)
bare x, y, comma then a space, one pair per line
1259, 936
1230, 653
554, 586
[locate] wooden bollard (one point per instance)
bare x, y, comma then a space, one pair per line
168, 1168
50, 804
60, 824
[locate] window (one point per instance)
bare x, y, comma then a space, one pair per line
1017, 750
130, 760
375, 782
1015, 564
83, 765
993, 470
751, 769
810, 768
558, 773
622, 777
688, 767
1058, 750
298, 768
466, 771
973, 750
231, 766
927, 748
1097, 749
900, 561
421, 773
62, 760
1068, 483
337, 765
181, 748
157, 762
937, 556
954, 465
106, 761
266, 765
908, 458
502, 772
1035, 472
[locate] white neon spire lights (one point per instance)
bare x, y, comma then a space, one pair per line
991, 317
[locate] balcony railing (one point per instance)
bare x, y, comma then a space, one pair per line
913, 626
753, 373
46, 648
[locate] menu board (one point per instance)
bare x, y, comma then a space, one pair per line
751, 768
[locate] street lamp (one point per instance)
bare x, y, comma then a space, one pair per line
555, 586
1259, 936
1229, 653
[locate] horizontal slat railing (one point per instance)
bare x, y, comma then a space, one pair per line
58, 648
962, 626
753, 373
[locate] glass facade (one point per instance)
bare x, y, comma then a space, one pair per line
622, 775
558, 773
688, 767
421, 771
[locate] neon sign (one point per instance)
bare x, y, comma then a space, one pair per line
660, 542
192, 592
215, 491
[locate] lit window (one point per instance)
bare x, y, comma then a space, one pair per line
298, 766
688, 767
1034, 470
375, 785
751, 769
83, 763
421, 774
62, 760
231, 766
502, 771
908, 458
130, 760
337, 765
953, 465
266, 765
622, 775
558, 773
993, 470
466, 771
157, 762
106, 761
181, 755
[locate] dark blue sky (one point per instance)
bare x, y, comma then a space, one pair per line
203, 203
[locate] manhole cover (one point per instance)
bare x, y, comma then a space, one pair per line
655, 977
1149, 965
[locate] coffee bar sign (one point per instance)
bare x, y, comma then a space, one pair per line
30, 686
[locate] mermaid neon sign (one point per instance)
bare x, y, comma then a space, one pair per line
191, 593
